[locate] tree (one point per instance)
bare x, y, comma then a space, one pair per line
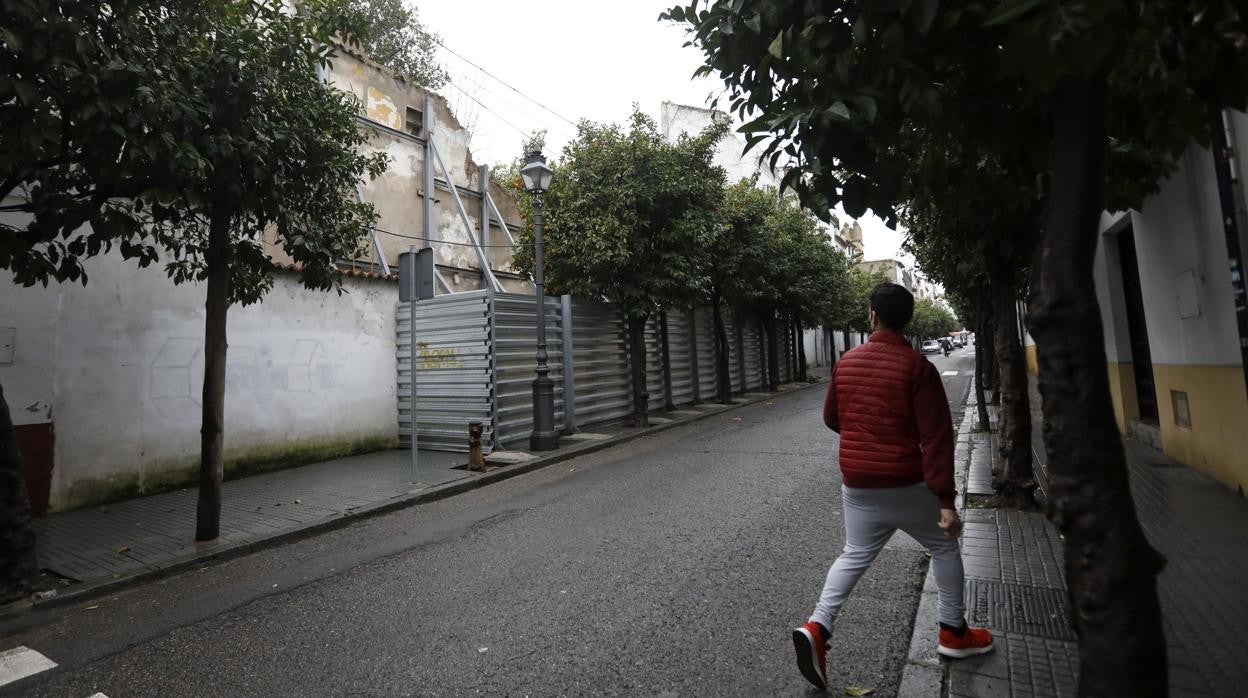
628, 216
225, 141
734, 247
841, 91
391, 33
806, 276
929, 321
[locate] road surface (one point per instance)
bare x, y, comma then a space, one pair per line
676, 564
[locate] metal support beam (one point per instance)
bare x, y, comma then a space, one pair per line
569, 385
427, 189
665, 352
502, 222
484, 172
495, 422
486, 272
693, 356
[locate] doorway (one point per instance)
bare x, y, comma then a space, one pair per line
1137, 328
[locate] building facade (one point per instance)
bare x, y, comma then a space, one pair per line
1168, 289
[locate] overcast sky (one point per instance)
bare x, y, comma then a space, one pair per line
577, 58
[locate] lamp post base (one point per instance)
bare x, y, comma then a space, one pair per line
544, 437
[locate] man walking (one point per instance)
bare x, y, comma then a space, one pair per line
888, 404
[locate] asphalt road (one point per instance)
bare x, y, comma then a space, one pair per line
675, 564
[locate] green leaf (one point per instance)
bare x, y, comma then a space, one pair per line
1010, 10
839, 111
777, 46
925, 14
856, 691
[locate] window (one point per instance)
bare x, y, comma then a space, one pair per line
1182, 411
414, 122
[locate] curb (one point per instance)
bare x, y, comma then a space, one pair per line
100, 588
924, 674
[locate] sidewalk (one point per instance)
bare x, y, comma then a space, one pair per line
98, 549
1016, 586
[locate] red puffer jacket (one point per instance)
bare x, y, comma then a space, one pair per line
888, 404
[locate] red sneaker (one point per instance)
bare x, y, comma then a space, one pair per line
811, 653
973, 641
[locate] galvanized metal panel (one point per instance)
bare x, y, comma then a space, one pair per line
754, 365
452, 370
680, 350
600, 363
654, 365
785, 328
515, 336
704, 322
734, 353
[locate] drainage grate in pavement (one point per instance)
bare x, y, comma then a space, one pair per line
1018, 608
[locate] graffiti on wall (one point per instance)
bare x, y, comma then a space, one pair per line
428, 357
304, 376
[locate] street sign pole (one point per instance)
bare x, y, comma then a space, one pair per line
411, 307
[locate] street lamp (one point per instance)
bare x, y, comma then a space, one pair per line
536, 176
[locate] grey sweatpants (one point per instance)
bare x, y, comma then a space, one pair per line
871, 518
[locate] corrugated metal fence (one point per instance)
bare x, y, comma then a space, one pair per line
476, 359
453, 377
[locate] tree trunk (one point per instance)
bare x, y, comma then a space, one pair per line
637, 356
991, 377
212, 427
723, 378
772, 374
1015, 481
1111, 570
801, 347
667, 362
981, 350
18, 566
845, 336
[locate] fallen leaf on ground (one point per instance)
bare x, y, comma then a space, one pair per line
123, 549
482, 650
91, 608
856, 691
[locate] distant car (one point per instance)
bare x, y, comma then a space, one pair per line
957, 343
931, 346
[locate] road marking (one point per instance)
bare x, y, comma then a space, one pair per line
949, 373
97, 695
20, 662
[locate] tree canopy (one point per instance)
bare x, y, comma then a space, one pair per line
628, 215
193, 133
391, 32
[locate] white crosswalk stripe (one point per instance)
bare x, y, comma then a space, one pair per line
20, 662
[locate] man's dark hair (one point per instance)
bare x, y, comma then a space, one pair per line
893, 305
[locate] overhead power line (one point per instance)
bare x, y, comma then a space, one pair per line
502, 82
509, 246
464, 92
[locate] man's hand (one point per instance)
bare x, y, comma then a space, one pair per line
950, 523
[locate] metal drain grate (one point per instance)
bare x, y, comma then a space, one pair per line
1017, 608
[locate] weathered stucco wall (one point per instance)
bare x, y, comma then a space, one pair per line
116, 369
388, 100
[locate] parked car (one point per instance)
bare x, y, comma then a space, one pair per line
931, 346
957, 343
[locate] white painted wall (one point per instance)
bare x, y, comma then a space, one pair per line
117, 366
678, 119
1177, 232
